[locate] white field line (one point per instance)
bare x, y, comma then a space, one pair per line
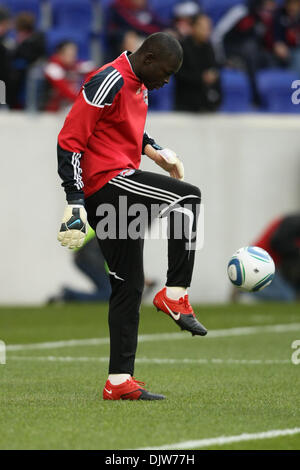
149, 360
219, 441
241, 331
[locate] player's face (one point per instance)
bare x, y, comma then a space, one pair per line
158, 73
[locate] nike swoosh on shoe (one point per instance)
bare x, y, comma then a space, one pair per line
176, 316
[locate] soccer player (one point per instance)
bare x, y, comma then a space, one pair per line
99, 153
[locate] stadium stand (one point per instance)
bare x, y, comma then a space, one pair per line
236, 91
66, 16
217, 8
16, 6
274, 86
164, 9
71, 13
162, 99
81, 38
105, 3
84, 22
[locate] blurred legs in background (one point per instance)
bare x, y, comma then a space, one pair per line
250, 56
89, 260
278, 291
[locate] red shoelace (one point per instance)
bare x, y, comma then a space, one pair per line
141, 384
185, 301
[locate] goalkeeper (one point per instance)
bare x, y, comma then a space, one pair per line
99, 154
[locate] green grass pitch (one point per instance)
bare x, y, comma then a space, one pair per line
230, 383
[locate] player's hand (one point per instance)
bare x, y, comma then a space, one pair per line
73, 228
168, 160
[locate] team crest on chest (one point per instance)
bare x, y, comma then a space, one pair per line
145, 96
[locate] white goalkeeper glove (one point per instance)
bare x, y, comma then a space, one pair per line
177, 169
73, 228
166, 159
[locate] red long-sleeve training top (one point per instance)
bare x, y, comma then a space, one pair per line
104, 131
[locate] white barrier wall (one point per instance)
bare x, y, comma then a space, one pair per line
247, 167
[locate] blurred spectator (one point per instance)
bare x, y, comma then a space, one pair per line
30, 47
244, 38
281, 239
89, 260
64, 74
198, 82
5, 63
129, 22
183, 18
287, 34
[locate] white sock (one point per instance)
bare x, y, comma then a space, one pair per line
117, 379
175, 293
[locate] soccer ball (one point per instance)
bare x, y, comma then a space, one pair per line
251, 268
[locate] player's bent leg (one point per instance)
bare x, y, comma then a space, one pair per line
180, 311
181, 199
181, 204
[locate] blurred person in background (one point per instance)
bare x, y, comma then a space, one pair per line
5, 60
130, 21
281, 239
198, 82
183, 15
90, 261
243, 38
287, 35
29, 48
64, 74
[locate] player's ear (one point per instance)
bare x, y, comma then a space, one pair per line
149, 58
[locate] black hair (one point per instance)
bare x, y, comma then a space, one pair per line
162, 45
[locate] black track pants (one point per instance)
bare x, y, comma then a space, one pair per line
154, 195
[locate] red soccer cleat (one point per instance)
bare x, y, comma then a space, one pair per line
132, 389
181, 311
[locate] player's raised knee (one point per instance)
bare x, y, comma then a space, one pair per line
193, 191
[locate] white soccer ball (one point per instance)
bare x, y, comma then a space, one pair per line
251, 269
